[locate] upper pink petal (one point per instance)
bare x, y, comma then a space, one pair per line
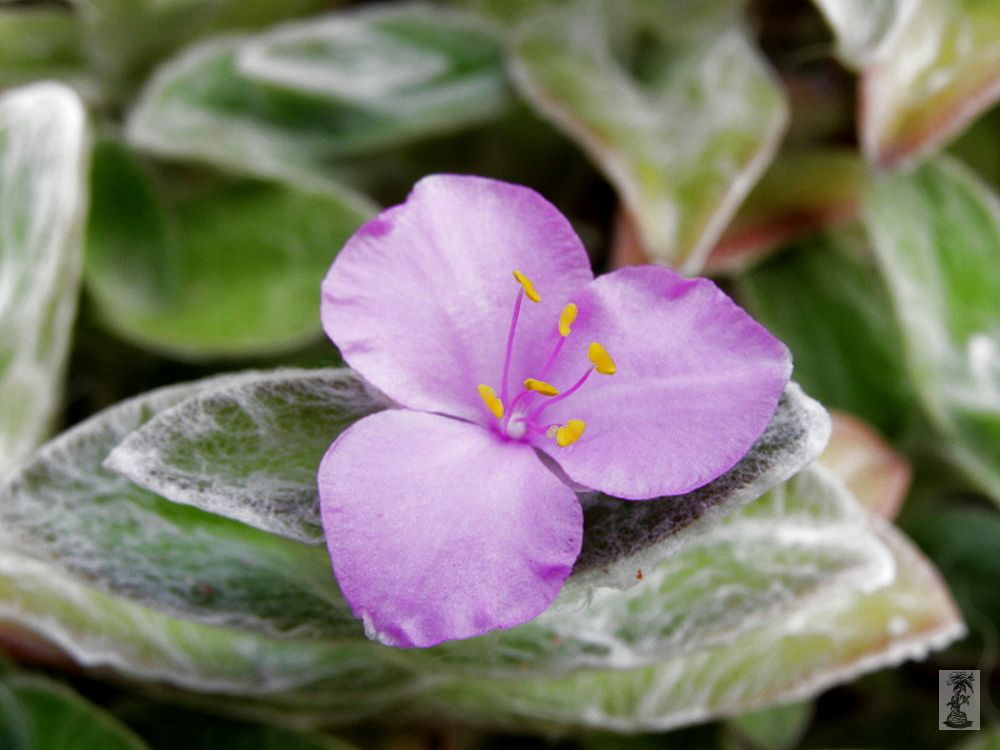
439, 530
419, 301
697, 382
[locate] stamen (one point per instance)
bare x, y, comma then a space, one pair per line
566, 319
540, 386
533, 416
570, 432
529, 288
510, 343
489, 397
601, 359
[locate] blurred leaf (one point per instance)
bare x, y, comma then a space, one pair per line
928, 68
43, 154
827, 192
250, 451
124, 38
53, 717
63, 507
682, 129
227, 268
937, 237
776, 728
168, 728
39, 42
988, 739
293, 101
831, 639
876, 475
826, 302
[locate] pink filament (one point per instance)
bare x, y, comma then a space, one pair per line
510, 346
533, 416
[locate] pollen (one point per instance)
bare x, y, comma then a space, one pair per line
601, 359
566, 319
529, 288
489, 397
570, 432
540, 386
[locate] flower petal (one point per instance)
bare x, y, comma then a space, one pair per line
697, 382
419, 301
437, 529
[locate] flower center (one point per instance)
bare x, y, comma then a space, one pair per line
524, 415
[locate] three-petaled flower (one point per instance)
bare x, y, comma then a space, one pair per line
473, 306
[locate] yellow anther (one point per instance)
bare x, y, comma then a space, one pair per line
566, 319
570, 432
601, 359
489, 397
529, 288
540, 386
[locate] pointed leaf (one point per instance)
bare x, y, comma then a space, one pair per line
63, 507
928, 68
294, 100
937, 237
683, 135
43, 152
227, 268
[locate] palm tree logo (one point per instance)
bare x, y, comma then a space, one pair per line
961, 684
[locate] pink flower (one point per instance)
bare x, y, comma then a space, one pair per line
473, 306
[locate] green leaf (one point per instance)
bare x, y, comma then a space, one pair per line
124, 38
937, 238
39, 42
928, 69
43, 153
828, 640
249, 451
106, 632
297, 99
63, 507
825, 300
216, 268
681, 117
55, 717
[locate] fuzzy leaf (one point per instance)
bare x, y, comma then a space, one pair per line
63, 507
828, 640
107, 632
53, 716
249, 451
825, 300
43, 154
937, 238
296, 99
227, 268
682, 132
928, 68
